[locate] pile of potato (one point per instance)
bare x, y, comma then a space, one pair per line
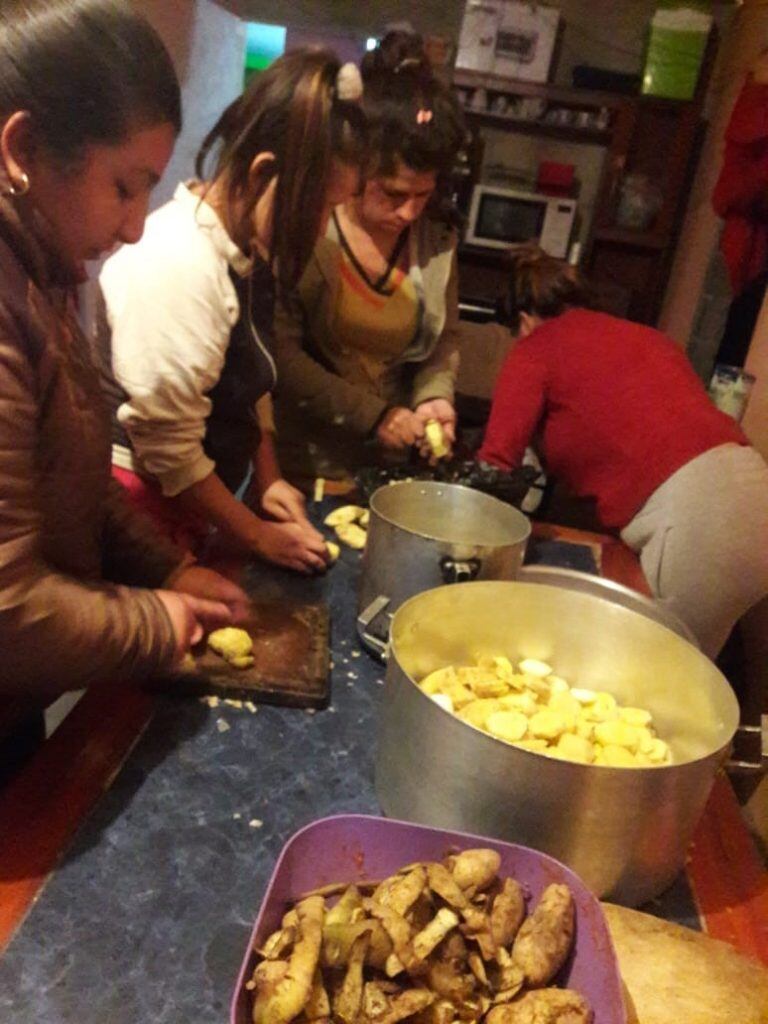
532, 708
438, 943
350, 523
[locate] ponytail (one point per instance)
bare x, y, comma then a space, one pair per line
294, 111
541, 285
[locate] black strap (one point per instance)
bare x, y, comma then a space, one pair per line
379, 285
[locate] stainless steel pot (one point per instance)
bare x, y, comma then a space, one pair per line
624, 830
586, 583
423, 534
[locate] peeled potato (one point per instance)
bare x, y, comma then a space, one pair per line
436, 680
232, 644
575, 748
443, 700
617, 734
635, 716
351, 535
333, 550
535, 710
618, 757
344, 514
508, 725
547, 725
435, 435
534, 667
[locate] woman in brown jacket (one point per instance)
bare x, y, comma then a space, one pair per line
89, 112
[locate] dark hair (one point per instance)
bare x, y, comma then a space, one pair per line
88, 72
291, 110
541, 285
399, 85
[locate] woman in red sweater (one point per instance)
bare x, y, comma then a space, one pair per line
623, 419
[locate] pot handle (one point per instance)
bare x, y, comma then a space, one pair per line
454, 571
365, 620
751, 743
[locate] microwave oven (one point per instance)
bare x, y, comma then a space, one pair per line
500, 217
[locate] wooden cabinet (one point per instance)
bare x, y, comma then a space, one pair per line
656, 138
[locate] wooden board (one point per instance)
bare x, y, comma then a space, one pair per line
291, 659
673, 975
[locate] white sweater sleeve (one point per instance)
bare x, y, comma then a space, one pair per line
171, 313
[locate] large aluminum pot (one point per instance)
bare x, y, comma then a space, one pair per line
423, 534
624, 830
616, 593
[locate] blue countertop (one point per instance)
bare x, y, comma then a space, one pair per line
147, 917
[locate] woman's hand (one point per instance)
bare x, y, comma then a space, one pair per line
191, 618
439, 409
285, 503
291, 545
400, 429
212, 586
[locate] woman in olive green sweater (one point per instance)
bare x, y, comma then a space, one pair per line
367, 349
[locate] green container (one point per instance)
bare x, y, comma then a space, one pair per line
678, 40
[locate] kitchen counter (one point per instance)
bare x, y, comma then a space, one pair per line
147, 913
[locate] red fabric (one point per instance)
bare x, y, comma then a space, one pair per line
619, 406
187, 531
741, 193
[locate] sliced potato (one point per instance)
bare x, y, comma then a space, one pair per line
333, 550
343, 515
351, 535
436, 681
534, 667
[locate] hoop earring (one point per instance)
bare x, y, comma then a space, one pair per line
15, 191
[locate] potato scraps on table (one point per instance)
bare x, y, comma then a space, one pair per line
436, 943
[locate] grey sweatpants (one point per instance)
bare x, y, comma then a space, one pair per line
702, 538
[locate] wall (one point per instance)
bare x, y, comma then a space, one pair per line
367, 17
604, 32
689, 285
207, 44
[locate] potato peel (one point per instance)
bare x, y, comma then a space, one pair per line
442, 943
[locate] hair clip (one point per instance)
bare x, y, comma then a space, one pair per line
408, 62
423, 117
349, 84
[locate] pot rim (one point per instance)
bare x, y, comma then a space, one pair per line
522, 519
552, 573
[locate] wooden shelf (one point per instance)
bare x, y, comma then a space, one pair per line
465, 79
626, 236
568, 133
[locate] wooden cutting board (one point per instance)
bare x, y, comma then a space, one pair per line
291, 659
673, 975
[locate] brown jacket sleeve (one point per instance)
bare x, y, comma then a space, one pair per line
134, 551
56, 632
305, 382
437, 377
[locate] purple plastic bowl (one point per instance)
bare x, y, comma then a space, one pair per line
353, 847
